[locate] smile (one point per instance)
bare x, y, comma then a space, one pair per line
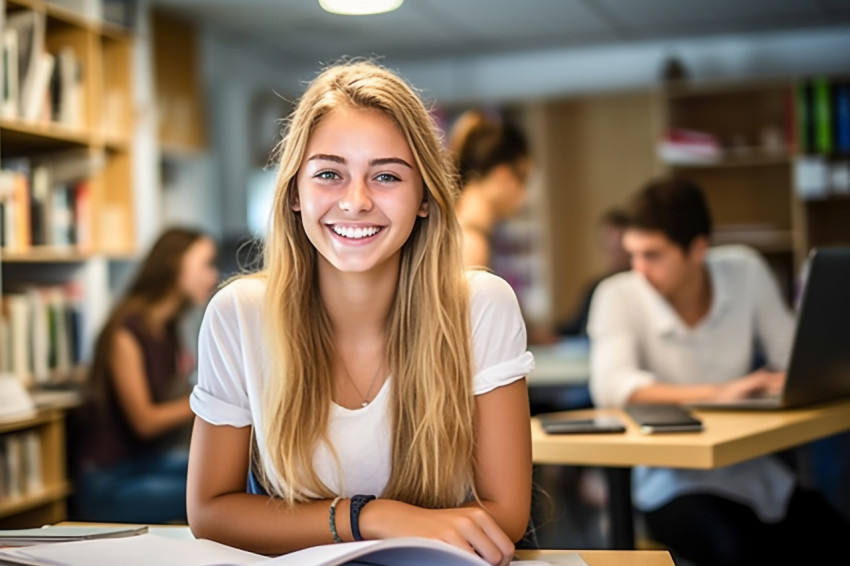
356, 233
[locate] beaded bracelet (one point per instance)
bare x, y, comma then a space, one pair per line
332, 520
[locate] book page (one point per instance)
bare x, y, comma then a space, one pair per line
141, 550
410, 551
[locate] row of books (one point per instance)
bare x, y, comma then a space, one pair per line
20, 465
37, 84
823, 116
46, 202
40, 333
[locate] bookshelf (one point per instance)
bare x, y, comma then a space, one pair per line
179, 100
43, 485
755, 179
66, 210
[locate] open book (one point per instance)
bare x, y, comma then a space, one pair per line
155, 550
29, 537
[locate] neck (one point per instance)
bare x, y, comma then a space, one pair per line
475, 209
693, 299
159, 314
358, 303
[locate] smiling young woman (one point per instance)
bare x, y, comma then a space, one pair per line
364, 385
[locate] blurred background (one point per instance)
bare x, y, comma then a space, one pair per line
166, 113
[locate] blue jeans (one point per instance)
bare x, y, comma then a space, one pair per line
151, 489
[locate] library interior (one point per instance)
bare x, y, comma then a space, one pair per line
656, 191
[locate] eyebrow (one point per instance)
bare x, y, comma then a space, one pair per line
373, 163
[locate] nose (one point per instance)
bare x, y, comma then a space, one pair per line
356, 197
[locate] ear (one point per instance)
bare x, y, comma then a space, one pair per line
503, 173
294, 198
423, 207
698, 249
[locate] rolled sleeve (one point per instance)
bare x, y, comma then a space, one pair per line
220, 396
498, 334
615, 372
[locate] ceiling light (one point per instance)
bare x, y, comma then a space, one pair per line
359, 7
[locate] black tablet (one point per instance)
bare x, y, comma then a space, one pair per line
663, 418
571, 425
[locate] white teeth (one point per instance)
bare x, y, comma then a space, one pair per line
356, 233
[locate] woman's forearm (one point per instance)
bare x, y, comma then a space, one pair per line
513, 521
267, 525
161, 418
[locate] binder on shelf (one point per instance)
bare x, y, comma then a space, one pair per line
822, 103
805, 138
842, 118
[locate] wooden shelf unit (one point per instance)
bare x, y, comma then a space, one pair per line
104, 130
753, 184
47, 505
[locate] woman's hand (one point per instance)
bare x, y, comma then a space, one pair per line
469, 528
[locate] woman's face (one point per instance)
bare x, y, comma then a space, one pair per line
359, 190
511, 181
198, 273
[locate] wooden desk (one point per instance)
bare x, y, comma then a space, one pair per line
729, 437
592, 557
604, 557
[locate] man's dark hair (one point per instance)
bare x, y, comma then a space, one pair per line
614, 217
674, 206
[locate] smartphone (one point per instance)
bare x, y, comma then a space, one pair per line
596, 425
663, 418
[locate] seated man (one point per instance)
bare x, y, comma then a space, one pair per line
685, 325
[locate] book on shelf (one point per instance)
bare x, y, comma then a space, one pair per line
822, 103
16, 404
66, 89
823, 116
842, 118
40, 85
29, 29
46, 200
152, 548
689, 147
43, 327
36, 105
22, 465
9, 103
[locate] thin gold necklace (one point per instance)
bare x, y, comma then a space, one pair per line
365, 398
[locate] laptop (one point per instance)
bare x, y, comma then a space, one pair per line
819, 367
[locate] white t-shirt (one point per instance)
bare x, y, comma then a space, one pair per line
232, 371
637, 338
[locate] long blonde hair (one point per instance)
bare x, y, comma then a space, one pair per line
428, 347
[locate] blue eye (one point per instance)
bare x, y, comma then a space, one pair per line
386, 178
327, 175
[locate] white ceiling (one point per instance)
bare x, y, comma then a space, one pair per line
301, 31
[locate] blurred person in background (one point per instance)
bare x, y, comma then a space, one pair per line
129, 445
493, 164
687, 324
